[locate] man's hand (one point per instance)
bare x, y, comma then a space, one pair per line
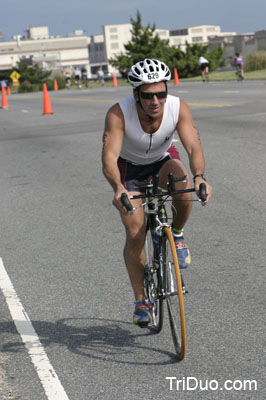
197, 183
117, 202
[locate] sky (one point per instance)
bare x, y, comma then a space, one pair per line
64, 16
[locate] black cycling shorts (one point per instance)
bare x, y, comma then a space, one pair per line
133, 176
203, 66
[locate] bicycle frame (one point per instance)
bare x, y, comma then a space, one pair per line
157, 220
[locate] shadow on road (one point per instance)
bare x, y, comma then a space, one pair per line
99, 338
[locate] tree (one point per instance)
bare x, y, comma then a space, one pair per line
188, 65
31, 77
145, 43
33, 74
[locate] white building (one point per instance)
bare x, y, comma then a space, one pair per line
200, 34
93, 53
52, 53
115, 37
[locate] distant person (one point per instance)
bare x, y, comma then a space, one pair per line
77, 75
204, 67
3, 84
84, 76
100, 74
239, 65
68, 80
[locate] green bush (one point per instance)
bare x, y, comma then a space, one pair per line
50, 84
255, 61
61, 82
27, 86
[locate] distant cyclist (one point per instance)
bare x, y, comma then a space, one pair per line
239, 65
68, 80
137, 144
84, 76
77, 75
204, 67
100, 74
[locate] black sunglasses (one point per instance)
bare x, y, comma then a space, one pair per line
149, 96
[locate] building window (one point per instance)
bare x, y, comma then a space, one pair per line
98, 47
114, 37
196, 30
179, 32
197, 39
114, 46
176, 41
113, 30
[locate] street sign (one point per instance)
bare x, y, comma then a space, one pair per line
15, 76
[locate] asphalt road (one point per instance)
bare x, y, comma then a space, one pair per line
61, 245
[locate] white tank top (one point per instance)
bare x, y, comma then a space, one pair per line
144, 148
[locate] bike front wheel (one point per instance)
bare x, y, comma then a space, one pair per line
174, 294
151, 284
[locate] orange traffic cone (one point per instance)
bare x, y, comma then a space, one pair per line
8, 90
47, 108
114, 81
55, 85
176, 80
4, 98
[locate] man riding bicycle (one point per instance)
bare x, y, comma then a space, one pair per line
204, 67
137, 144
239, 66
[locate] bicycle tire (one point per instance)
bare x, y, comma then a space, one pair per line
151, 284
173, 289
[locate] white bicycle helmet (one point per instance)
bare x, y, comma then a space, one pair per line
148, 71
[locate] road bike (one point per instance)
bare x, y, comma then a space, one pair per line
239, 75
163, 280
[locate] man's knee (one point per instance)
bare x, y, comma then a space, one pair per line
135, 234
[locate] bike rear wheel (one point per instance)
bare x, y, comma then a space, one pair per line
151, 284
174, 294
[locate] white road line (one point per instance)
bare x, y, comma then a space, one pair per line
47, 375
231, 91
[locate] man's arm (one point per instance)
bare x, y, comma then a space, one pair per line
190, 138
112, 143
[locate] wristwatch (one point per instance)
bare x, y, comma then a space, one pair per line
199, 176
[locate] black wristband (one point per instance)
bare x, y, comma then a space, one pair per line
199, 176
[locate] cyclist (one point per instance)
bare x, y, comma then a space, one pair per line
137, 144
204, 67
77, 75
239, 66
84, 76
68, 80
